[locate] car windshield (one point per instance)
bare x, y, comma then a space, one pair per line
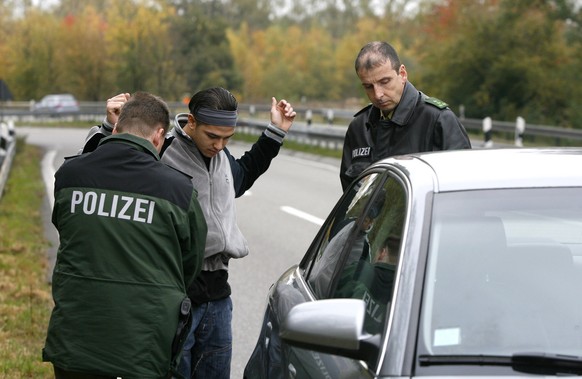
54, 99
504, 273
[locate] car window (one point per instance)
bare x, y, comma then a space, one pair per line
336, 234
371, 277
359, 256
55, 100
504, 273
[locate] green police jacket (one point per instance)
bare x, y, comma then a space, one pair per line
132, 240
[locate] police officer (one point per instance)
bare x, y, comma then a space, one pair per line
399, 120
132, 238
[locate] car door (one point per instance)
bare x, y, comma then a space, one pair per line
355, 255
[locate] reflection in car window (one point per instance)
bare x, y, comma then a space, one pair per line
504, 273
337, 233
371, 277
359, 256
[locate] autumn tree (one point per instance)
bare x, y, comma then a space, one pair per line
139, 48
285, 62
498, 58
257, 13
200, 47
31, 49
5, 27
318, 65
86, 73
243, 45
64, 8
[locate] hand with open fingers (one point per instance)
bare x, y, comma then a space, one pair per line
114, 105
282, 114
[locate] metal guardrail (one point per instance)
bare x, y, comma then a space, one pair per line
7, 151
558, 135
320, 135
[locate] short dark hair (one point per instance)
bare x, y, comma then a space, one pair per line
143, 114
216, 98
375, 54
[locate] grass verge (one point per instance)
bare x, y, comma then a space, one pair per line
25, 297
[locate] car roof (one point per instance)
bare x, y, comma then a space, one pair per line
68, 95
457, 170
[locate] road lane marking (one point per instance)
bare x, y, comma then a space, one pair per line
303, 215
48, 175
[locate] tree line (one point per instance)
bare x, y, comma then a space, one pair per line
497, 58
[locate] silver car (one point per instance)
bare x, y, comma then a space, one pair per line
57, 103
458, 263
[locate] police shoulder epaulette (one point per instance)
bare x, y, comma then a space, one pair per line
363, 110
436, 102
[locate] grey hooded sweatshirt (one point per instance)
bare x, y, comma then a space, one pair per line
219, 180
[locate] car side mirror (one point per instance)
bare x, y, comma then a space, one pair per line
332, 326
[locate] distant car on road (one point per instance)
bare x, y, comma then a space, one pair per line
57, 103
445, 264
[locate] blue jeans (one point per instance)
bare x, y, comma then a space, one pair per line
207, 351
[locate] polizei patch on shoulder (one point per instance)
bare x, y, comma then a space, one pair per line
436, 102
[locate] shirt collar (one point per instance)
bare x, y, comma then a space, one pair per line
133, 140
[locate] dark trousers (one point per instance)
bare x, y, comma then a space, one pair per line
63, 374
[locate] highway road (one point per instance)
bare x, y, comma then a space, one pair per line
279, 216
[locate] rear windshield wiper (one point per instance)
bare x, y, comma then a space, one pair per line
535, 363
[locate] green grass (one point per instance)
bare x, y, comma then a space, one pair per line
25, 298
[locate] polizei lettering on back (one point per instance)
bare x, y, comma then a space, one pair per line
116, 206
360, 152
